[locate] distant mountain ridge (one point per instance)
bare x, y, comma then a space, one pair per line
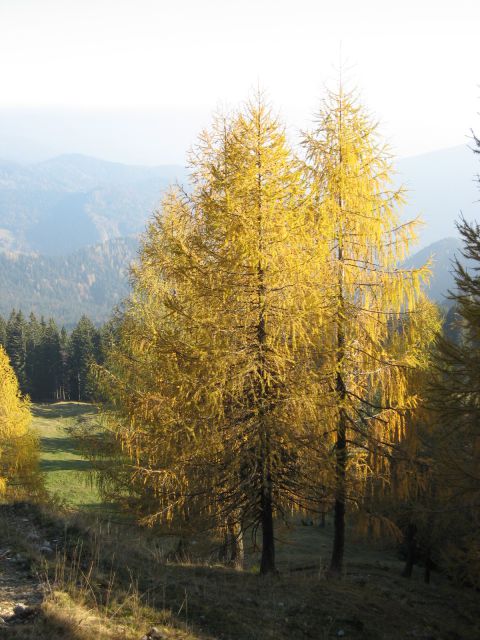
440, 186
442, 255
73, 201
69, 226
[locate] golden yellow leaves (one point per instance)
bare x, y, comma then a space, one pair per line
225, 371
17, 443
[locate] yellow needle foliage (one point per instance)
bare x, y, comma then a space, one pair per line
367, 345
18, 446
266, 327
212, 368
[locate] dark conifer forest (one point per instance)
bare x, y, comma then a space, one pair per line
50, 363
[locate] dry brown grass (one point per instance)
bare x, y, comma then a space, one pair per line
113, 581
61, 617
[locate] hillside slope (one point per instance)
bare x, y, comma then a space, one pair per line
90, 281
442, 254
52, 213
73, 201
440, 186
93, 280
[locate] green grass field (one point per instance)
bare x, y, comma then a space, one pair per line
66, 471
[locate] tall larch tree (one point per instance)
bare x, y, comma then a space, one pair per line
215, 334
407, 502
363, 350
250, 197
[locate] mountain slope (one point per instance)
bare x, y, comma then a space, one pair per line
72, 201
440, 185
442, 254
53, 212
90, 281
93, 280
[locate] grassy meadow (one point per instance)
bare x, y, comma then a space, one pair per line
66, 471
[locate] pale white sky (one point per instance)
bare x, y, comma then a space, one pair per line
162, 66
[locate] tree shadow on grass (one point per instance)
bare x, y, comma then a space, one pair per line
59, 445
63, 410
65, 465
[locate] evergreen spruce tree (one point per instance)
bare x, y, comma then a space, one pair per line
455, 403
48, 371
81, 355
3, 332
16, 346
63, 389
34, 336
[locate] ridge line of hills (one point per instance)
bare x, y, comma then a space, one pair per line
72, 201
69, 226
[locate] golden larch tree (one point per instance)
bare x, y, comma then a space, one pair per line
212, 373
364, 350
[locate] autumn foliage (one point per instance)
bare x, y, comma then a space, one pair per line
18, 445
264, 357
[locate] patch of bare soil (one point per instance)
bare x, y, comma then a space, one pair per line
21, 591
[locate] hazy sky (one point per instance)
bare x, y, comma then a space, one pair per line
134, 80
